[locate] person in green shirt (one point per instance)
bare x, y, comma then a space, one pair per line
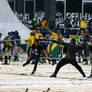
67, 25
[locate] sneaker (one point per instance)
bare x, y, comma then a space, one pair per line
84, 75
32, 72
32, 63
24, 64
89, 76
85, 63
52, 63
79, 61
53, 75
90, 62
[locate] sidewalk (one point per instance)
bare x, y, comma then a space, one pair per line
15, 76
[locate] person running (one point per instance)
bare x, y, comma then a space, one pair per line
70, 57
37, 48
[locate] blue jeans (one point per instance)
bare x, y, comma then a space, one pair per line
36, 59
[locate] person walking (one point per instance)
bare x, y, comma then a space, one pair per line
86, 39
90, 49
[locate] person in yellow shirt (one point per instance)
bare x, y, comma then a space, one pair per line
83, 24
38, 34
54, 36
7, 43
30, 40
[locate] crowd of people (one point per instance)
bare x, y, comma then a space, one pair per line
81, 44
43, 36
7, 45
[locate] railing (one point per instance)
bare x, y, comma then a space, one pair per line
55, 51
12, 48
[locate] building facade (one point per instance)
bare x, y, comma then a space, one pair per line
25, 9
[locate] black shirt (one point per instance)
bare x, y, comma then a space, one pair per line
72, 50
37, 49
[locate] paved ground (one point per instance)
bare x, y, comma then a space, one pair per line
68, 79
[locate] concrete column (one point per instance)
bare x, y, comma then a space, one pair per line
50, 11
50, 7
20, 6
